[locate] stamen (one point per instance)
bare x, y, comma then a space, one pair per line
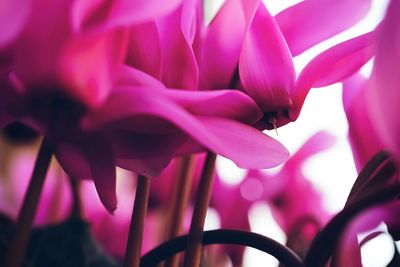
273, 122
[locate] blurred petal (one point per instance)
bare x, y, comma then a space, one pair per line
144, 52
312, 21
88, 65
384, 93
105, 15
13, 16
140, 102
180, 68
317, 143
222, 44
332, 66
362, 135
73, 160
102, 165
134, 77
223, 103
265, 64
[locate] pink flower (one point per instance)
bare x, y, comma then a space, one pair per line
247, 48
178, 122
383, 92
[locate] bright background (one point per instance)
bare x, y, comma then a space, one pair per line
332, 172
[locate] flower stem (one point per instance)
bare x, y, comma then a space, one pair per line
76, 209
223, 236
134, 246
21, 233
180, 202
193, 252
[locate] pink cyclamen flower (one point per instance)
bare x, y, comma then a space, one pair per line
384, 88
75, 48
237, 52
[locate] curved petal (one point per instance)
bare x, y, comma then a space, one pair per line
73, 160
362, 135
134, 77
243, 141
88, 65
223, 103
312, 21
222, 44
384, 93
265, 65
13, 16
317, 143
180, 68
103, 15
206, 131
102, 165
332, 66
144, 51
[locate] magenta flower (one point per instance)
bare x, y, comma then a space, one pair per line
179, 122
383, 91
261, 64
76, 48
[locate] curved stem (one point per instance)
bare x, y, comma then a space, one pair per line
366, 173
323, 245
233, 237
180, 201
21, 233
134, 246
193, 252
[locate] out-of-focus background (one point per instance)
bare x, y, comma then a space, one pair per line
332, 172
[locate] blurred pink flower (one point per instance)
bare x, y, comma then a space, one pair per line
293, 199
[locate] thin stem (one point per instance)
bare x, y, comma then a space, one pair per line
234, 237
21, 233
76, 210
135, 238
193, 252
180, 202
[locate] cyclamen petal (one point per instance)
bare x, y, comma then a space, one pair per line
312, 21
73, 160
103, 15
235, 141
265, 65
222, 44
13, 16
144, 51
102, 165
331, 66
362, 135
180, 69
88, 65
384, 94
